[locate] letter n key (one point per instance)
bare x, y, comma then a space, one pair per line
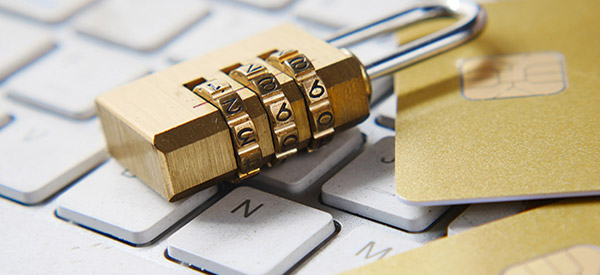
247, 211
221, 233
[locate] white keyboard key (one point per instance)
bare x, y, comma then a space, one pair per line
41, 153
36, 246
138, 24
386, 112
386, 121
298, 173
374, 48
21, 43
68, 80
4, 118
113, 201
372, 130
478, 214
267, 4
381, 87
250, 232
223, 26
44, 10
344, 13
363, 245
366, 187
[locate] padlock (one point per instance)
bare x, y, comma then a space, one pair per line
224, 115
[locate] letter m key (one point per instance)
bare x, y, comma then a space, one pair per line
369, 251
247, 211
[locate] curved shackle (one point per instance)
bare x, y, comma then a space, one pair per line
471, 22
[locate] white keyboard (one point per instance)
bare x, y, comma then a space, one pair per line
67, 208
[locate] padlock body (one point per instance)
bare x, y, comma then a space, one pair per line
177, 142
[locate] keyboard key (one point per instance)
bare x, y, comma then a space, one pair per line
344, 13
38, 246
374, 48
372, 130
386, 121
250, 232
267, 4
298, 173
381, 88
363, 245
366, 187
386, 112
4, 118
68, 80
41, 153
223, 26
21, 43
138, 24
478, 214
51, 11
113, 201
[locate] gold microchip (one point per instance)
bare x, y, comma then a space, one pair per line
513, 75
578, 259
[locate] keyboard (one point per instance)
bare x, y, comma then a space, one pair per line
67, 207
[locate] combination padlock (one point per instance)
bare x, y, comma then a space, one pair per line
224, 115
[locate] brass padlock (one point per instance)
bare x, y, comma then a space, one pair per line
224, 115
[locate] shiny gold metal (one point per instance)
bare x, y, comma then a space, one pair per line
242, 129
320, 112
177, 142
255, 76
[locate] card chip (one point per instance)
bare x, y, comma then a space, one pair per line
578, 259
513, 75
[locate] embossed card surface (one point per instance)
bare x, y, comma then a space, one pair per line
513, 114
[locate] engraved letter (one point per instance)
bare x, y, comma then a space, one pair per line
370, 246
247, 211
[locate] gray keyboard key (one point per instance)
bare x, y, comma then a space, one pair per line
47, 10
41, 153
344, 13
32, 245
386, 112
301, 171
224, 25
21, 43
250, 232
138, 24
364, 245
113, 201
381, 87
68, 80
366, 187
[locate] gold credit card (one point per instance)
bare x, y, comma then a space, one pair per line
512, 115
560, 238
